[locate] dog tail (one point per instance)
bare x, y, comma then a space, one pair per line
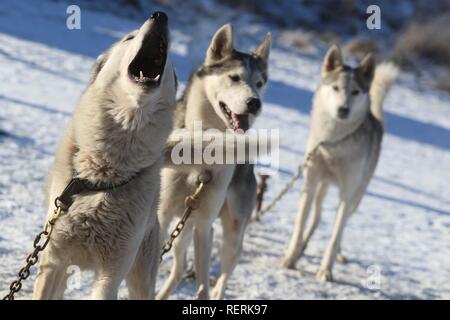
385, 75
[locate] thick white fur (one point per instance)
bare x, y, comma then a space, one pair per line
233, 202
350, 153
385, 75
118, 131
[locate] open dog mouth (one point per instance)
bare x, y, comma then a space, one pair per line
148, 65
235, 121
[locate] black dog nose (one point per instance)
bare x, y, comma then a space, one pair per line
343, 112
159, 16
253, 105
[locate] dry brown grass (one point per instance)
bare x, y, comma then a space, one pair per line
297, 39
141, 4
360, 47
443, 81
429, 40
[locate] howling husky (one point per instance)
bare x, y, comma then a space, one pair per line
114, 145
224, 93
347, 125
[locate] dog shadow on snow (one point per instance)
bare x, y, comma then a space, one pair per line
347, 278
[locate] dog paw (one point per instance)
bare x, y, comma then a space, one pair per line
288, 263
160, 296
217, 294
341, 259
202, 293
324, 275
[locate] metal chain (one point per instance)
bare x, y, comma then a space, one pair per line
190, 203
39, 245
291, 182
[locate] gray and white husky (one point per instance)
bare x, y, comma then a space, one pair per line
224, 93
347, 122
117, 135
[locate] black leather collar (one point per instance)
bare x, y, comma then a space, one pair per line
79, 185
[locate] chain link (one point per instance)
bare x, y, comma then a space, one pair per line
291, 182
191, 203
40, 243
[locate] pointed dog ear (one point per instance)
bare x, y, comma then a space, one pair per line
367, 68
263, 49
98, 65
221, 45
332, 60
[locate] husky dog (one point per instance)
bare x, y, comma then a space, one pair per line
224, 93
116, 138
347, 122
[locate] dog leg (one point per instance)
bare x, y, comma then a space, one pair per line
316, 213
105, 288
50, 282
142, 277
111, 273
203, 235
234, 226
61, 284
355, 203
296, 245
339, 256
107, 282
179, 262
166, 215
324, 273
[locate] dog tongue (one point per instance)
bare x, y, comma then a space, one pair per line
240, 121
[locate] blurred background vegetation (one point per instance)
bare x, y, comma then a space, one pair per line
415, 33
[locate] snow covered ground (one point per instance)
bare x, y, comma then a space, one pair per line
402, 228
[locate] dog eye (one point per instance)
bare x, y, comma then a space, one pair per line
355, 92
259, 84
336, 88
235, 78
